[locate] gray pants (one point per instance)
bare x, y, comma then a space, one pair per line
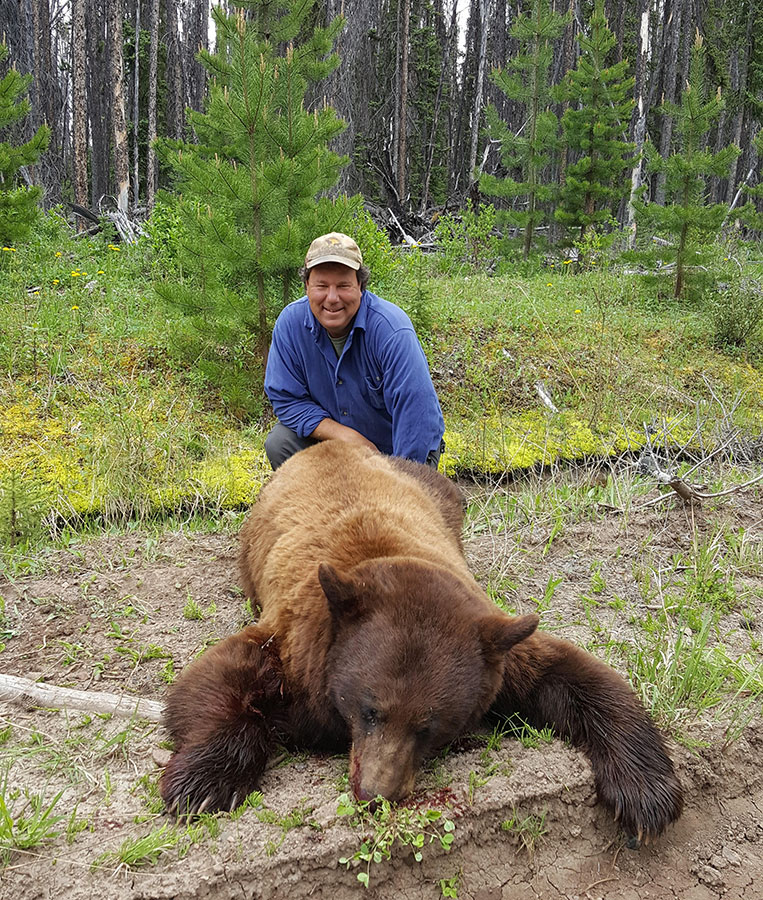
282, 443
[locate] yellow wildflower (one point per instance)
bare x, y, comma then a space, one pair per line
9, 249
549, 284
578, 310
100, 272
58, 254
75, 273
566, 262
55, 281
75, 306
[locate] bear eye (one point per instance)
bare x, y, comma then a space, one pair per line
369, 715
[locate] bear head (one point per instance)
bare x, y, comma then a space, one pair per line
417, 658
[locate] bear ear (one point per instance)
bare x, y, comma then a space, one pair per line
500, 633
341, 591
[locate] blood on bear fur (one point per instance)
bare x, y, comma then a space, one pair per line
374, 634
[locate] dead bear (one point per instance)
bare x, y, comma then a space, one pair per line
374, 634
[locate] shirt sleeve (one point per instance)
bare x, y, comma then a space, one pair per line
286, 386
410, 397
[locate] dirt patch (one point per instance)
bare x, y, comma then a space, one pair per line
108, 615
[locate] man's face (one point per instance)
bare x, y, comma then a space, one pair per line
334, 296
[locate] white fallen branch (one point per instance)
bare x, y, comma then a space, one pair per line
22, 690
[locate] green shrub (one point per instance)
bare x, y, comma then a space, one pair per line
467, 241
737, 313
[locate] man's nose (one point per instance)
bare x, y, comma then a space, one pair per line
332, 293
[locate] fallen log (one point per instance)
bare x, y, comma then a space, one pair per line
22, 690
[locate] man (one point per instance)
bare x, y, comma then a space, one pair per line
346, 365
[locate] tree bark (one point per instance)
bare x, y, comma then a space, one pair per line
153, 60
175, 74
669, 88
479, 86
79, 104
402, 116
639, 131
118, 119
136, 111
98, 100
740, 87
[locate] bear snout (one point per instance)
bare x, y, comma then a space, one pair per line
382, 768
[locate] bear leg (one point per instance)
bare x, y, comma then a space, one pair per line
224, 714
549, 681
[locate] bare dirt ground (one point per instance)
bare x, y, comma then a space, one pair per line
107, 615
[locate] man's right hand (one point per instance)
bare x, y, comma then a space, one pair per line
329, 430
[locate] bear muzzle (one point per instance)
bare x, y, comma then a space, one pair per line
382, 768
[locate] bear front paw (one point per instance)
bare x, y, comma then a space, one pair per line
191, 785
644, 805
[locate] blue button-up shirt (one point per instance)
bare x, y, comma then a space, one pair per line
380, 385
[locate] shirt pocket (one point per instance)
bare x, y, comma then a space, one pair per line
374, 390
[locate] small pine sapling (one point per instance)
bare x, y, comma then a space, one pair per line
594, 128
18, 201
687, 217
526, 81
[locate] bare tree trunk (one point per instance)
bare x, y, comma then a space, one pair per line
639, 131
153, 59
175, 76
197, 25
98, 99
740, 87
448, 52
669, 88
402, 117
136, 111
118, 120
79, 103
479, 86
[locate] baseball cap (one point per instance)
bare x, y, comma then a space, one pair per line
334, 247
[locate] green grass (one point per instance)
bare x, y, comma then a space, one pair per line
105, 417
27, 819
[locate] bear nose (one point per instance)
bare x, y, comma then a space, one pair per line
365, 797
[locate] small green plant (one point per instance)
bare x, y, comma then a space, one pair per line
467, 241
140, 851
544, 603
529, 830
475, 781
390, 826
526, 734
449, 886
415, 293
192, 610
32, 823
736, 311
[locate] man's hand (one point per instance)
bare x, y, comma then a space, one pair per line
329, 430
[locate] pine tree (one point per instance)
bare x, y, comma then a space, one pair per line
594, 126
686, 215
18, 202
525, 80
249, 185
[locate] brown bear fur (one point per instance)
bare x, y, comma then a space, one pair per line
373, 633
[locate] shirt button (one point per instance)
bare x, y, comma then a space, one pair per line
344, 412
339, 381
